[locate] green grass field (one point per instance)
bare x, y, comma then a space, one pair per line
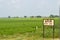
26, 26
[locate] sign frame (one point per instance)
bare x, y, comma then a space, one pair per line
53, 26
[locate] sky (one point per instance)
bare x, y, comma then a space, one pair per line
29, 7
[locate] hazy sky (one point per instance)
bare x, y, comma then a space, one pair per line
28, 7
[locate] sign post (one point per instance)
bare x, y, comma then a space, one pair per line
48, 22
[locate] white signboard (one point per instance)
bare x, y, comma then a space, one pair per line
48, 22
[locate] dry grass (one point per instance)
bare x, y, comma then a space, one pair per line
26, 37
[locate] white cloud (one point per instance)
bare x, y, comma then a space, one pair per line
13, 3
1, 0
58, 2
27, 6
43, 2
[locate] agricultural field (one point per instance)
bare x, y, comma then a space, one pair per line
25, 28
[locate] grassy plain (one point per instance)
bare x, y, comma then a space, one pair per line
14, 27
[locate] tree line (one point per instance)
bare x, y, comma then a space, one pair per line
50, 16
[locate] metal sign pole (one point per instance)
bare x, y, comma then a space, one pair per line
53, 32
43, 33
43, 29
53, 29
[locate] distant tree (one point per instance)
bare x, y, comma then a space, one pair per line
38, 16
31, 16
9, 17
56, 16
51, 16
16, 17
25, 16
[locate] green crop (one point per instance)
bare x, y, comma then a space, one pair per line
11, 26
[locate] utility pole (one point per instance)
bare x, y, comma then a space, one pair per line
59, 11
59, 22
